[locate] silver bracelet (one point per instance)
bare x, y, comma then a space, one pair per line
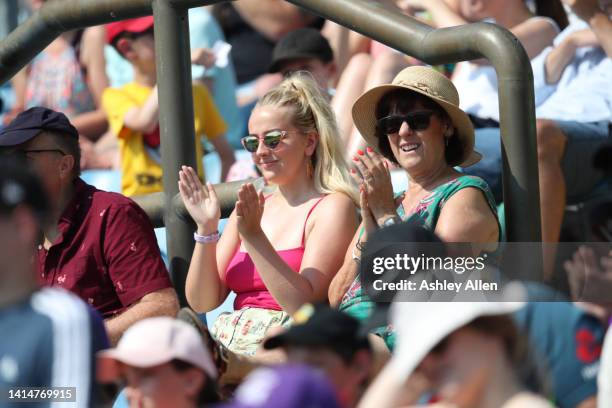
206, 239
356, 258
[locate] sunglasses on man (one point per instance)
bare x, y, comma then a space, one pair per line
25, 153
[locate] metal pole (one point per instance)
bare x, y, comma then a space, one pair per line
517, 113
154, 204
176, 125
515, 78
9, 12
56, 17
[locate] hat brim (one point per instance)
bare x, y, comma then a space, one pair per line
364, 116
136, 26
437, 321
296, 335
17, 137
109, 362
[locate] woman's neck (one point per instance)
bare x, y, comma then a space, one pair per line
297, 191
427, 181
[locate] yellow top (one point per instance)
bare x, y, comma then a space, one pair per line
141, 171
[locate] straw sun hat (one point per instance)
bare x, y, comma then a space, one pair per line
428, 82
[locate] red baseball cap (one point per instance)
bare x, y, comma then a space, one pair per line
133, 25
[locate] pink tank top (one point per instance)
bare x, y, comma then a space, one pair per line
243, 278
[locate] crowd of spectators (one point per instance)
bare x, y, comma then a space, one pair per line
359, 146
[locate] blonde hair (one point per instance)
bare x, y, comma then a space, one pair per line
312, 112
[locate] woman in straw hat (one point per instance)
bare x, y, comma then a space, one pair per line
416, 123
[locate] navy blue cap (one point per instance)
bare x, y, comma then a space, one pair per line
31, 122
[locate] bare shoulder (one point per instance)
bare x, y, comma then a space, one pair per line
536, 26
466, 217
335, 203
468, 196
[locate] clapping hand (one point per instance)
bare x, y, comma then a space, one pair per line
249, 210
590, 278
201, 202
372, 174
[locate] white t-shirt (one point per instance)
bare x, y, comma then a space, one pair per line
477, 86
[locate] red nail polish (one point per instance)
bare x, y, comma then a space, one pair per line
353, 171
355, 159
360, 152
369, 149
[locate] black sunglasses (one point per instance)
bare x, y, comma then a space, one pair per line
271, 140
419, 120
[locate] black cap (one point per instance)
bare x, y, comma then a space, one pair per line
415, 239
321, 326
301, 43
603, 159
31, 122
20, 186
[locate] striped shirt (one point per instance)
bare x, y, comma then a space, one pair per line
50, 340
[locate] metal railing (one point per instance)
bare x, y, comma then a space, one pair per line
434, 46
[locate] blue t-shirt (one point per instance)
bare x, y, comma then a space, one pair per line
568, 340
50, 340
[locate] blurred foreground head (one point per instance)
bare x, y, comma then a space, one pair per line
163, 362
24, 213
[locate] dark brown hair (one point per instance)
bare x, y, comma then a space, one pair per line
404, 100
209, 393
552, 9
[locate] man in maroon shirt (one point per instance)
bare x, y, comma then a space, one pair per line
101, 246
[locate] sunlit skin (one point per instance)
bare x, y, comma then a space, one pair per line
49, 166
140, 51
262, 226
286, 161
428, 156
162, 386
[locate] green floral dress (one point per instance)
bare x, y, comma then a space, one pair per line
355, 302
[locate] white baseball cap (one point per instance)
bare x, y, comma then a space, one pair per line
422, 325
152, 342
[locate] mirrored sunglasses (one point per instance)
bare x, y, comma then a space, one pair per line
271, 140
